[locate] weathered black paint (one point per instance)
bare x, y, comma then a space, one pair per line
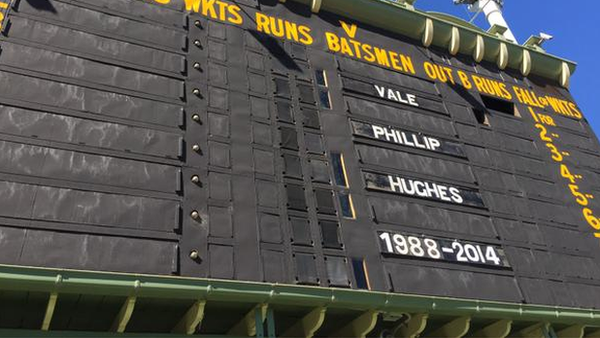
97, 157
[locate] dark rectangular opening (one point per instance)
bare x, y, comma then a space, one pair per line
481, 116
339, 169
498, 105
321, 78
347, 205
324, 99
360, 273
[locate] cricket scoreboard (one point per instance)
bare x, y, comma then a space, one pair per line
258, 141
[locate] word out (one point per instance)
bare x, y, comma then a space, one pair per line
350, 46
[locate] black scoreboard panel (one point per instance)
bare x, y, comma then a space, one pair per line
143, 137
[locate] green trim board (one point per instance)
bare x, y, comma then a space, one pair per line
67, 334
290, 299
455, 35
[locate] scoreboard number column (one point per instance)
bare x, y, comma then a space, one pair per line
398, 244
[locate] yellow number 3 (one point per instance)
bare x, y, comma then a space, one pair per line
556, 155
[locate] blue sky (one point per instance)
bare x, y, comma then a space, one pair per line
575, 33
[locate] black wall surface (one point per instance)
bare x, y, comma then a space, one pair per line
97, 157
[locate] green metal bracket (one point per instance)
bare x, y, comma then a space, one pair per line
120, 323
83, 334
575, 331
498, 31
414, 327
454, 329
359, 327
270, 323
594, 334
305, 298
539, 330
192, 319
308, 325
252, 323
499, 329
434, 29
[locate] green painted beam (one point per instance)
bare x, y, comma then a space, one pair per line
405, 20
168, 287
82, 334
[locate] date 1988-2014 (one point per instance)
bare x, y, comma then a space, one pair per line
442, 249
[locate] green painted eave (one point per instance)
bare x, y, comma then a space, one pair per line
168, 287
79, 334
403, 19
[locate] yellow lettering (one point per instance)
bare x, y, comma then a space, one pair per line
192, 5
208, 8
464, 79
576, 112
436, 72
291, 31
345, 47
564, 108
162, 2
535, 100
555, 105
349, 29
382, 57
407, 64
277, 28
505, 93
449, 74
429, 70
442, 74
498, 89
356, 46
519, 93
306, 38
395, 61
479, 84
368, 49
222, 8
333, 42
235, 17
491, 87
527, 97
495, 87
262, 23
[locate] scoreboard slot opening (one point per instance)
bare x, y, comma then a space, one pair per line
499, 105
